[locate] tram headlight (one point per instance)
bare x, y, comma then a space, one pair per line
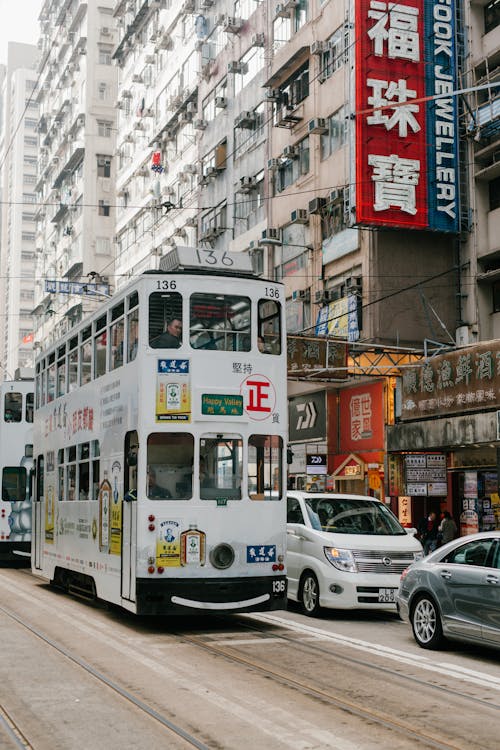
222, 556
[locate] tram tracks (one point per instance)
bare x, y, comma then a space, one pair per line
10, 730
15, 733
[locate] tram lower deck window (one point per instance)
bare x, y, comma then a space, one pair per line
221, 467
265, 467
170, 466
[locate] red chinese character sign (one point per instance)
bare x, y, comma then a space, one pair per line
406, 114
362, 418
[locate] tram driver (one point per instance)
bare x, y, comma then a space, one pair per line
155, 491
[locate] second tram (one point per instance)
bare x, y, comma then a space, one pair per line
16, 466
160, 434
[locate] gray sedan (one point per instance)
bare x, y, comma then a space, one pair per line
455, 593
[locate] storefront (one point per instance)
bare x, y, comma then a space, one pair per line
449, 409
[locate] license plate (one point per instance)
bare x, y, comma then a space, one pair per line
387, 595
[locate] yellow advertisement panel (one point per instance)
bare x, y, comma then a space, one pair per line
168, 544
173, 391
49, 516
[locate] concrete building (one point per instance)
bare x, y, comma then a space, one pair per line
18, 160
76, 170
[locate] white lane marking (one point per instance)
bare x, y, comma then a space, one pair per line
423, 662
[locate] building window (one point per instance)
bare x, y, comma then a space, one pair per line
333, 219
103, 208
335, 57
104, 129
104, 56
300, 14
491, 15
252, 62
494, 193
29, 141
337, 133
30, 124
104, 166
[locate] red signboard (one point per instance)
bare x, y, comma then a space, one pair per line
362, 418
391, 173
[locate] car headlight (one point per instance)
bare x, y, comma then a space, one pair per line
342, 559
418, 556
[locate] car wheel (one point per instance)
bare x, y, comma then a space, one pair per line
426, 623
309, 594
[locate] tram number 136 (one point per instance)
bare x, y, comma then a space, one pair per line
279, 587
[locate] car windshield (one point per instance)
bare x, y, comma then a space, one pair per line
352, 516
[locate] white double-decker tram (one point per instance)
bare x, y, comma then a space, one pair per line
160, 430
16, 466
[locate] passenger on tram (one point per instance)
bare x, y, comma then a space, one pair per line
171, 336
154, 489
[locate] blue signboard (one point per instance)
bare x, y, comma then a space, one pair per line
442, 116
261, 553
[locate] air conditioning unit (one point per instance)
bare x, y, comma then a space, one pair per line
317, 48
150, 59
148, 112
185, 117
317, 205
235, 66
299, 216
188, 6
210, 172
281, 11
192, 107
129, 139
245, 119
200, 124
220, 102
323, 75
190, 169
323, 296
291, 152
168, 136
126, 94
165, 42
273, 95
105, 31
247, 184
302, 295
137, 78
273, 164
210, 234
231, 25
80, 121
258, 40
318, 126
353, 283
206, 3
271, 233
191, 222
336, 196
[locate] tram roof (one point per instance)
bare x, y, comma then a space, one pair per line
206, 260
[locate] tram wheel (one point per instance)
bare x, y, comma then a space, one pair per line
309, 594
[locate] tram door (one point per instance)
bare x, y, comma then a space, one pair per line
38, 528
129, 517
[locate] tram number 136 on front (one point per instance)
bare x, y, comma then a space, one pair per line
159, 437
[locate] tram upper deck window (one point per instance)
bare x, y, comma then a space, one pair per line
86, 356
13, 407
132, 327
221, 462
170, 466
220, 321
51, 377
117, 336
73, 363
100, 341
265, 467
269, 326
61, 371
165, 320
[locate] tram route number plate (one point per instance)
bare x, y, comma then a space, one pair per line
387, 595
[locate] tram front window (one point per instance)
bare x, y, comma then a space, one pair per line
13, 407
221, 462
220, 321
165, 320
170, 466
13, 484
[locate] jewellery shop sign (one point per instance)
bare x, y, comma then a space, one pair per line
459, 381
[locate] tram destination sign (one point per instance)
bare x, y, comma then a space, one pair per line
216, 404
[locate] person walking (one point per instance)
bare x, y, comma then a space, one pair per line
447, 528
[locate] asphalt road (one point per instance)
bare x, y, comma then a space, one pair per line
76, 676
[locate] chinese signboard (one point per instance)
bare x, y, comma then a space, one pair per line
325, 358
76, 287
406, 140
426, 475
339, 318
460, 381
362, 418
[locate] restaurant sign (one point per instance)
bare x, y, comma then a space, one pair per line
323, 358
459, 381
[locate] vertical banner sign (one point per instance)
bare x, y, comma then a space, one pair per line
406, 153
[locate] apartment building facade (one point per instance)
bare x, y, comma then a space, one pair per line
18, 159
76, 171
